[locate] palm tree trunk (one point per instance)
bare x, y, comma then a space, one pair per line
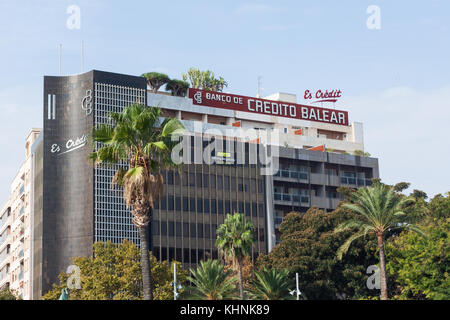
383, 282
146, 265
241, 284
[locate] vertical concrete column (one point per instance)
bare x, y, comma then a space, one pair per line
230, 121
179, 115
357, 132
205, 118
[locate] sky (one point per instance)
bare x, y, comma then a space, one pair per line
394, 79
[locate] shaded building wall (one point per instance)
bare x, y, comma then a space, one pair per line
67, 221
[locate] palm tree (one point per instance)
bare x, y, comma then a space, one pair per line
378, 209
271, 285
212, 282
235, 240
138, 138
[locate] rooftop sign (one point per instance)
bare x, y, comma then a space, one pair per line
267, 107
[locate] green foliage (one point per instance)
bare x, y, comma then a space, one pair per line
271, 285
204, 80
440, 206
235, 237
421, 265
155, 80
211, 282
8, 294
378, 209
308, 247
346, 192
399, 187
177, 87
114, 273
361, 153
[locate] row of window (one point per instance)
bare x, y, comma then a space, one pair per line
191, 230
213, 206
186, 255
220, 182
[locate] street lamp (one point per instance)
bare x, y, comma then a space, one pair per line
297, 290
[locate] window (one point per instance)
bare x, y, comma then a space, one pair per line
234, 207
178, 203
155, 228
219, 182
185, 230
226, 183
212, 180
247, 209
199, 230
205, 180
171, 229
185, 179
207, 231
170, 177
199, 180
213, 206
200, 205
191, 179
233, 183
261, 210
193, 233
164, 228
253, 185
186, 255
220, 207
163, 203
170, 203
206, 205
178, 229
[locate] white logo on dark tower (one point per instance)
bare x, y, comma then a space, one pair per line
86, 103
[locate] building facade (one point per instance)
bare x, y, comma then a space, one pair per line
16, 232
239, 154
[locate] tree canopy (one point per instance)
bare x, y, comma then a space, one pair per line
308, 246
114, 273
205, 80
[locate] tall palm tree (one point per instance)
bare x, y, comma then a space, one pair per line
271, 285
235, 240
138, 138
212, 282
378, 209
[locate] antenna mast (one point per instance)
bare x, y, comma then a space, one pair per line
60, 49
259, 87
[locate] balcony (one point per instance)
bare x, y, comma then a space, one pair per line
291, 174
360, 182
291, 198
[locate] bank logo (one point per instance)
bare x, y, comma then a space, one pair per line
86, 103
71, 145
198, 97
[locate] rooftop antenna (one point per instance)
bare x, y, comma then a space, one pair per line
82, 56
60, 49
259, 87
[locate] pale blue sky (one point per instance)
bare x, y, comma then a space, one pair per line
395, 80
